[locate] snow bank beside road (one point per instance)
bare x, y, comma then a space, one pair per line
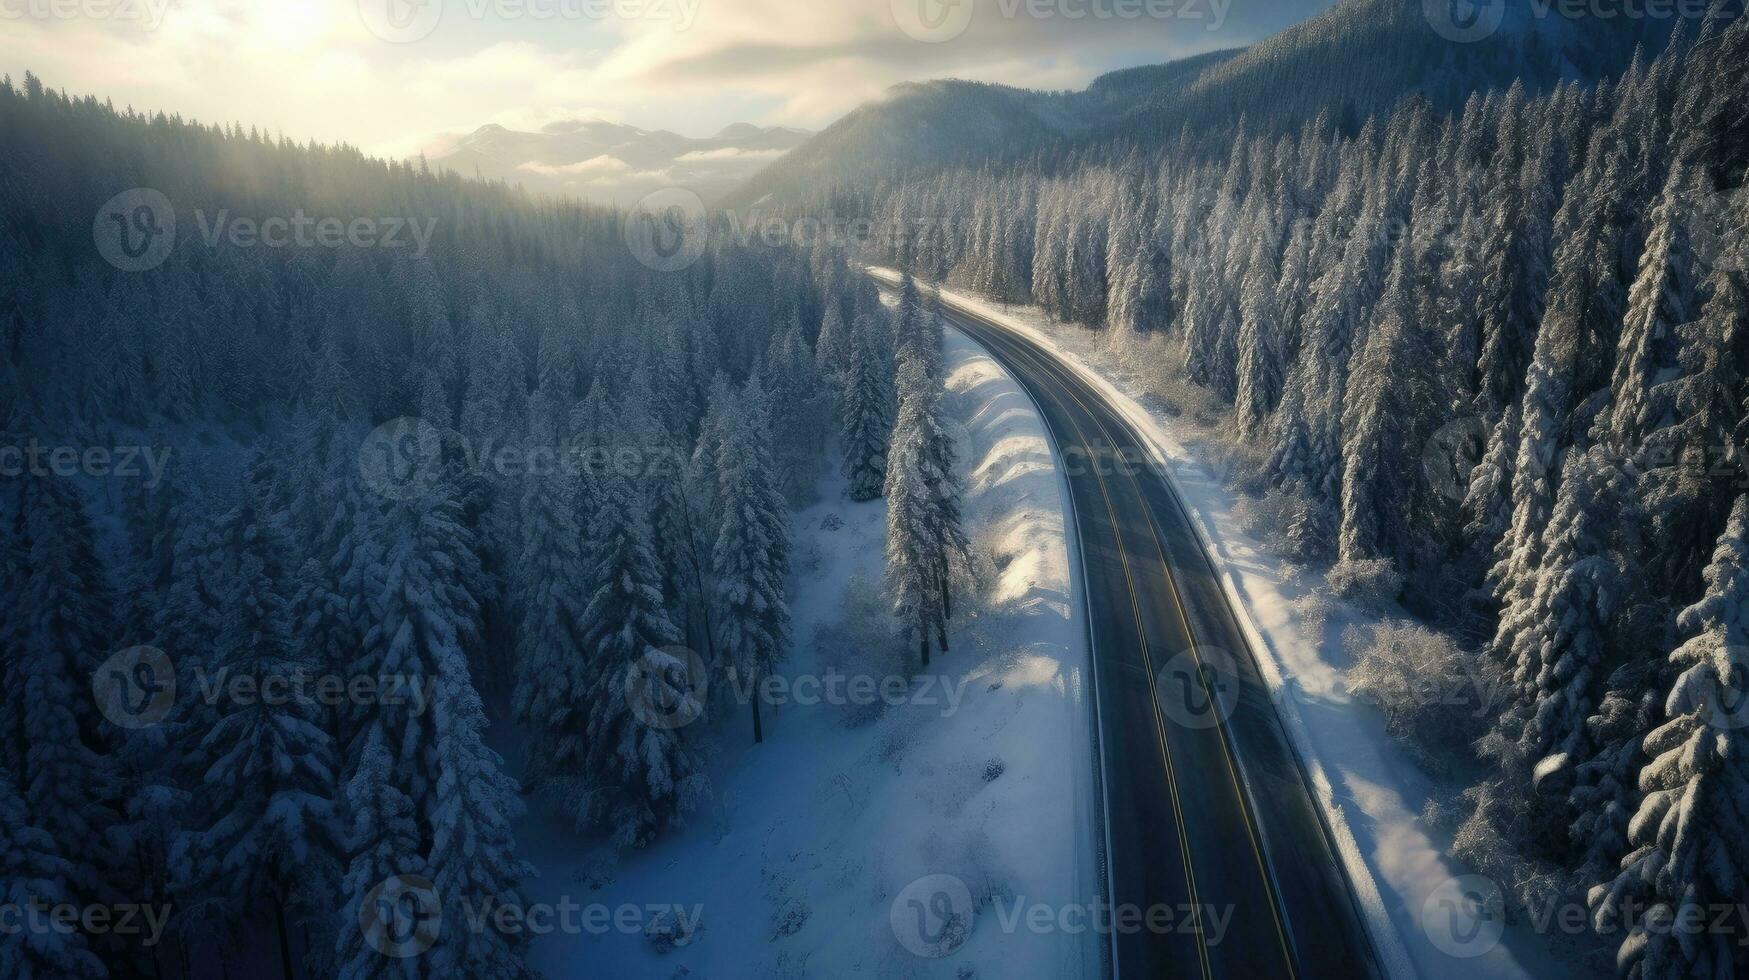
987, 776
1371, 792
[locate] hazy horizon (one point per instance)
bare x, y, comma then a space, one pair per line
400, 77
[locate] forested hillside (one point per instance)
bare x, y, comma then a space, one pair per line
1362, 57
1495, 360
925, 126
488, 469
1358, 59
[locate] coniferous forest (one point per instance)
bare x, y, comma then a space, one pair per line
1548, 293
326, 565
494, 474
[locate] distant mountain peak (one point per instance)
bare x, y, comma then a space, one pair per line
567, 126
740, 130
614, 162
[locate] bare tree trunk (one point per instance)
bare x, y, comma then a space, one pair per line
758, 729
285, 961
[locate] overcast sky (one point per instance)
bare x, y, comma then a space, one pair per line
395, 76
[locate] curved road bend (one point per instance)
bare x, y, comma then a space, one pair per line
1206, 804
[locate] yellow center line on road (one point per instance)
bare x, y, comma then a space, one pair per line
1153, 699
1068, 385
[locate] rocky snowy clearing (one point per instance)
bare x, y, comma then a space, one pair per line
1372, 793
982, 769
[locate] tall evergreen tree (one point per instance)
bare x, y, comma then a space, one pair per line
832, 348
68, 779
799, 407
423, 619
867, 422
1262, 360
1561, 646
1691, 856
1389, 402
925, 542
751, 558
1657, 304
267, 792
640, 777
552, 657
36, 874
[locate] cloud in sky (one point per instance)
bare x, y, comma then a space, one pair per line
323, 69
728, 153
594, 167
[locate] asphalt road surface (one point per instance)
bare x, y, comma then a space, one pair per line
1206, 806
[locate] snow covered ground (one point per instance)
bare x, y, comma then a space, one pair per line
1371, 791
983, 772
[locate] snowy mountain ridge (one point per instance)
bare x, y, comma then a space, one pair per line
616, 163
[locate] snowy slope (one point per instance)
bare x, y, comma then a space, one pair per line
1372, 793
815, 834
